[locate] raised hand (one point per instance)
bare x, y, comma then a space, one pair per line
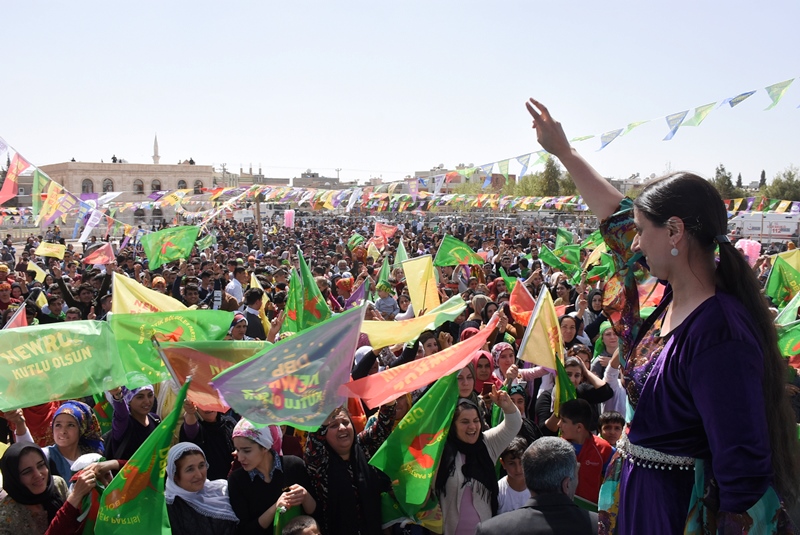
549, 132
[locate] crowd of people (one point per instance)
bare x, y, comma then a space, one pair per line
681, 420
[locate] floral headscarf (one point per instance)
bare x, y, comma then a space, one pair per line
245, 429
89, 439
499, 348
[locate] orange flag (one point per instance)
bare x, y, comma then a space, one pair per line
390, 384
521, 303
203, 361
101, 256
11, 183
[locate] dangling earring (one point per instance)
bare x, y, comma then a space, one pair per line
674, 251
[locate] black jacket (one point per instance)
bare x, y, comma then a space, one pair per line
546, 514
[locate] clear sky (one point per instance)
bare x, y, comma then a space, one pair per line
381, 88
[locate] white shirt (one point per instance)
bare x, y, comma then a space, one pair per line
509, 499
234, 289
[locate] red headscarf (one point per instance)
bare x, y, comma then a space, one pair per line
492, 379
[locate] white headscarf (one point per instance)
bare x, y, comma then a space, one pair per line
212, 501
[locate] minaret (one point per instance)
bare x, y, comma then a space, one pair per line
156, 157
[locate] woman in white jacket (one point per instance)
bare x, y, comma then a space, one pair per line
466, 483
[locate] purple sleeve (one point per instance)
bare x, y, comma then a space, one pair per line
119, 424
191, 430
725, 384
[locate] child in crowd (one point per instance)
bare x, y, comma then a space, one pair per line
593, 452
513, 491
301, 525
611, 426
386, 305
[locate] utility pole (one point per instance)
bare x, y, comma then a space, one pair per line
259, 227
337, 173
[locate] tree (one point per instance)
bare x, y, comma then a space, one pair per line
567, 185
785, 185
763, 182
528, 185
551, 177
739, 181
722, 181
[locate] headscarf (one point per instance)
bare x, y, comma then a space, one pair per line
344, 284
478, 302
237, 318
599, 345
130, 394
499, 348
468, 333
245, 429
519, 389
9, 466
492, 379
89, 434
478, 466
212, 501
362, 352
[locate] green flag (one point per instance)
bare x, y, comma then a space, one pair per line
783, 282
454, 252
354, 241
294, 304
789, 339
57, 361
206, 241
510, 281
563, 237
134, 333
789, 328
39, 182
305, 305
133, 502
169, 244
564, 389
383, 274
401, 255
592, 240
548, 257
569, 254
410, 456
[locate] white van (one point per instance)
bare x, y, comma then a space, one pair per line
765, 227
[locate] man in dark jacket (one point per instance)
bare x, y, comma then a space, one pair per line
252, 299
551, 474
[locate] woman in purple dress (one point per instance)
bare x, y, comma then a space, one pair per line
712, 444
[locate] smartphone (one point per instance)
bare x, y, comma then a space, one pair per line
487, 389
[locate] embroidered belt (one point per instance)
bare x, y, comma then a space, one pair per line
650, 458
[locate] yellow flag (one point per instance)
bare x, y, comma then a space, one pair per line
386, 333
373, 251
594, 258
421, 284
262, 312
543, 345
51, 249
40, 274
130, 297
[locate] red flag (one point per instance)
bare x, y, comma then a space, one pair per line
11, 184
382, 234
521, 303
561, 310
102, 255
387, 385
18, 319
